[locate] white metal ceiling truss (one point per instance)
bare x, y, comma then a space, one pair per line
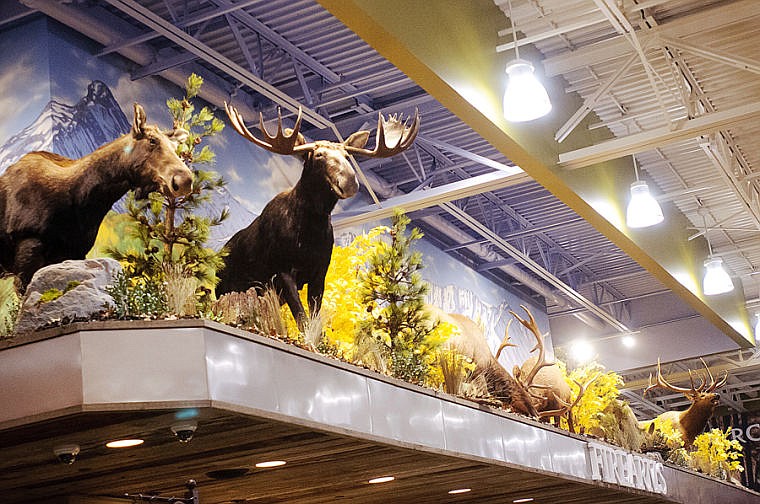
702, 97
677, 84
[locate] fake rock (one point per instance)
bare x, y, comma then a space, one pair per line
82, 283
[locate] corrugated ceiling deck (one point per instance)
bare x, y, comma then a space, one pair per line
632, 106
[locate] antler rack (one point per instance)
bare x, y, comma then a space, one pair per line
279, 143
531, 325
704, 386
394, 134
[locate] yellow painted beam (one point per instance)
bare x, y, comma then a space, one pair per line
448, 47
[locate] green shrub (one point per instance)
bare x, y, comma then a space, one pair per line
137, 297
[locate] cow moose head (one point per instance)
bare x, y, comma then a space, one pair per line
153, 161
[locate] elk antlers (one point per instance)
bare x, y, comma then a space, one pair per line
703, 387
394, 135
567, 407
531, 325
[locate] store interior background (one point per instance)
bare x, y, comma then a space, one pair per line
552, 237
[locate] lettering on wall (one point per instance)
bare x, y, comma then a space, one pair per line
623, 468
749, 434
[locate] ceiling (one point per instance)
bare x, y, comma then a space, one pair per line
654, 78
321, 467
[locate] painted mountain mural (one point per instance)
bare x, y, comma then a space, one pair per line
70, 130
76, 130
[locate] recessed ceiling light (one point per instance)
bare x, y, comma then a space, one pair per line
628, 341
528, 499
224, 474
383, 479
124, 443
460, 491
270, 463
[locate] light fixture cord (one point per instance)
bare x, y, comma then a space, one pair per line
709, 247
514, 30
633, 156
635, 167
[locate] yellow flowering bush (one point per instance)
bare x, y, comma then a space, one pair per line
342, 310
669, 433
587, 414
715, 454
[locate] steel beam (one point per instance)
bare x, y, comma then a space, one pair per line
430, 197
187, 42
650, 139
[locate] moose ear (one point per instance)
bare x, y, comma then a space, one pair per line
358, 139
138, 125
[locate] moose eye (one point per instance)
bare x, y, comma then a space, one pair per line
153, 141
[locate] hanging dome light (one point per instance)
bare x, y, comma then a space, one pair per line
716, 279
643, 210
525, 98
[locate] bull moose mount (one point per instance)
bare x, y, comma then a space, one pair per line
51, 206
290, 243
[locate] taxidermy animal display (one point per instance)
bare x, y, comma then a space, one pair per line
51, 206
472, 343
544, 381
692, 421
290, 243
537, 388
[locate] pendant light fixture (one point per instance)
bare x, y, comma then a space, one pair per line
525, 98
643, 210
716, 280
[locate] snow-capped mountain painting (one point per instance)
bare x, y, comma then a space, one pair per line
70, 130
97, 118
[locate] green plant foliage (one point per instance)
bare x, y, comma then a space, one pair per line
393, 292
10, 304
53, 294
166, 233
50, 295
137, 297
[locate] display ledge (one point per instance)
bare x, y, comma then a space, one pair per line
254, 398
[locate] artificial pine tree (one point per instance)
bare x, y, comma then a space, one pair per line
394, 292
171, 234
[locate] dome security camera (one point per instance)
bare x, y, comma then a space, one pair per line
184, 431
66, 454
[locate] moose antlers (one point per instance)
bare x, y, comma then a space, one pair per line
394, 135
279, 144
703, 388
